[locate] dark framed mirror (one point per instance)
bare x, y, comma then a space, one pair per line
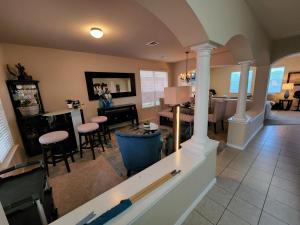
119, 84
294, 77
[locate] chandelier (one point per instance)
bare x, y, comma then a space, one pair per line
188, 75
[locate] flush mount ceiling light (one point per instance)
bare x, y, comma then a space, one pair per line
96, 32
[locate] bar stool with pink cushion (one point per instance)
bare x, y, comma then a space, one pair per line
103, 127
54, 142
88, 131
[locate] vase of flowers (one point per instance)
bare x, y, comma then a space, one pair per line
105, 98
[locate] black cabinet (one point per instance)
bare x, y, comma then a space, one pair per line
31, 124
31, 128
63, 121
120, 113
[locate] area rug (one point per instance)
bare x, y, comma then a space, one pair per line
87, 179
283, 118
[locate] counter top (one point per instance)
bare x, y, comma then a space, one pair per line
60, 112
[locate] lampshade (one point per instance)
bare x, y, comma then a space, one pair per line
177, 95
288, 86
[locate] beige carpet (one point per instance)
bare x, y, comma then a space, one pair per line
88, 179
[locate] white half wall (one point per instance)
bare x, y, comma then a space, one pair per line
241, 133
169, 204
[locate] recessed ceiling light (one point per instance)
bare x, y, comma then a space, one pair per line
152, 43
96, 32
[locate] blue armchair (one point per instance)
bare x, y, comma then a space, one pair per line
139, 151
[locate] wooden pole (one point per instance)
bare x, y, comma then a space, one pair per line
151, 187
126, 203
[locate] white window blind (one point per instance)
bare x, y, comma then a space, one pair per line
152, 86
235, 82
6, 141
275, 80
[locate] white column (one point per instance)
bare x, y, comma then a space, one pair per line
240, 114
203, 54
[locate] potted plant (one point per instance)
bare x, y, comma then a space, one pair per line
27, 108
19, 72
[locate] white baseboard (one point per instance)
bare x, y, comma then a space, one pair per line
187, 212
234, 146
247, 142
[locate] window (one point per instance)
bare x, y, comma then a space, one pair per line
6, 141
152, 86
235, 82
275, 80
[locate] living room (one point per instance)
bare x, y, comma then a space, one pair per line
283, 98
57, 69
61, 76
112, 100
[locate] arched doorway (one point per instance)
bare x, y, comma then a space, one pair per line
284, 80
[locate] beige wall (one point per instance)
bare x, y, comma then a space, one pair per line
221, 57
291, 64
219, 76
179, 67
220, 79
222, 20
260, 91
284, 47
61, 74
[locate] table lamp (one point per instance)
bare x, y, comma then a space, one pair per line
287, 87
175, 96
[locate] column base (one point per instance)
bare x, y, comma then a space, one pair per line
200, 148
241, 133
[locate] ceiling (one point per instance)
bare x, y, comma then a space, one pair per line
65, 24
280, 18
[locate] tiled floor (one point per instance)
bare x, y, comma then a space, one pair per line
260, 185
281, 117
